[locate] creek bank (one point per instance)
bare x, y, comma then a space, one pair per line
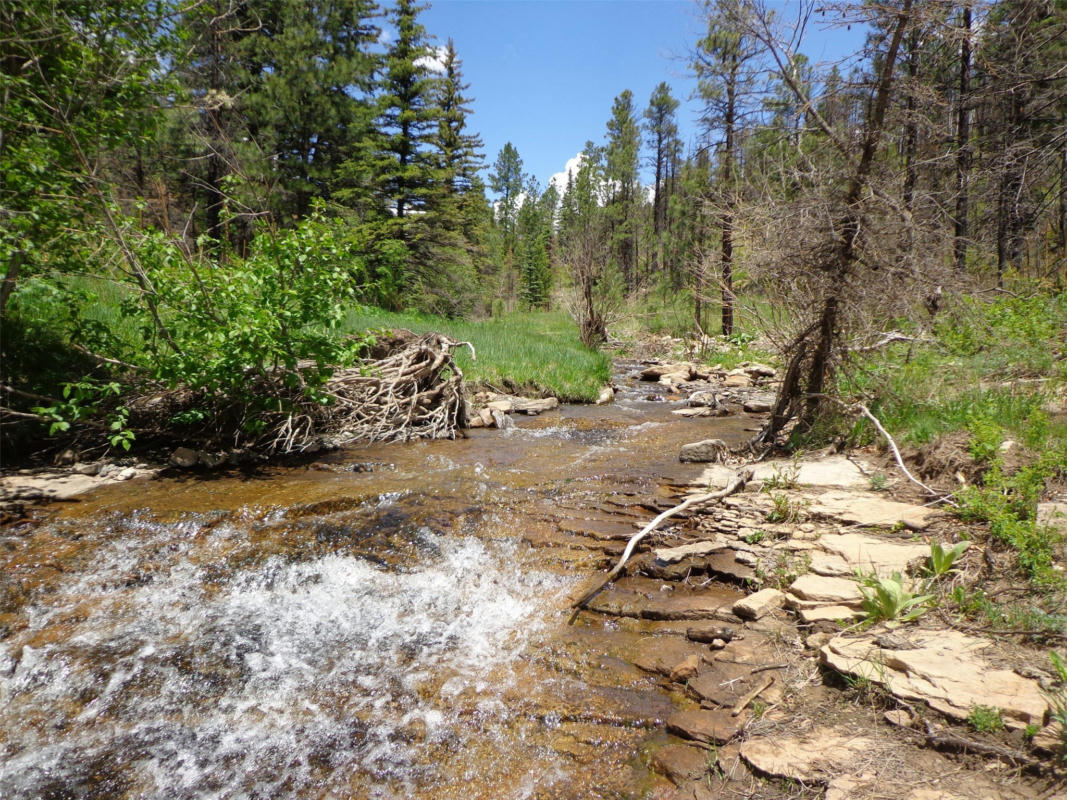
712, 391
803, 537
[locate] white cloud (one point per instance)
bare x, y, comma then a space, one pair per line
436, 62
559, 179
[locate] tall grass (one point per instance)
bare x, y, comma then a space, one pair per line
996, 362
536, 352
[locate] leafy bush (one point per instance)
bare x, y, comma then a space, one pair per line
277, 309
1008, 503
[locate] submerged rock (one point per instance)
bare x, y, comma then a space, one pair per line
664, 654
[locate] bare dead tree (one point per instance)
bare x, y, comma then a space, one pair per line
838, 252
585, 258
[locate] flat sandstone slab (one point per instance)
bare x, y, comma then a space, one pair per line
828, 614
835, 471
867, 553
760, 604
867, 508
815, 757
669, 555
944, 669
827, 590
715, 727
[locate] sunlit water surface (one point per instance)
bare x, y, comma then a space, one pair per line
374, 626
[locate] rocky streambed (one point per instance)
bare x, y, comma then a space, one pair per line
391, 621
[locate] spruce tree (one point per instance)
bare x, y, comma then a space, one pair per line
406, 170
459, 151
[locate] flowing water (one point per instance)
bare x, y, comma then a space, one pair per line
387, 622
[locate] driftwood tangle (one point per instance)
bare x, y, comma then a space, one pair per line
414, 392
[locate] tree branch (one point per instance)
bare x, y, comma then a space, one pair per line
734, 486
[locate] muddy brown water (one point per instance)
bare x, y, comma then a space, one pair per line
389, 622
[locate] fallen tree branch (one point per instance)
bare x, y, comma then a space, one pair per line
105, 360
887, 338
896, 453
860, 408
748, 698
950, 741
734, 486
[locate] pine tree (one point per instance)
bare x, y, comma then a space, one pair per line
408, 115
1025, 92
662, 129
280, 88
506, 179
725, 64
621, 171
307, 108
458, 150
534, 228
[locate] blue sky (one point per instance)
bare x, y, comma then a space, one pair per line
544, 73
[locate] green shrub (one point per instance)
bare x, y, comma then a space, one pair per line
276, 309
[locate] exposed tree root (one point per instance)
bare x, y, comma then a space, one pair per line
414, 393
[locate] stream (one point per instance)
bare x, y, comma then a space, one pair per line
386, 622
